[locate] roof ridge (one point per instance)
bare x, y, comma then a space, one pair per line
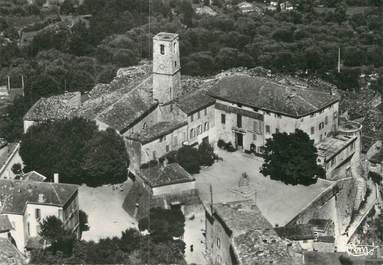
123, 97
57, 195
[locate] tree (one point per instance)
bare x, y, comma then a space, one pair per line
291, 158
164, 224
188, 158
17, 169
105, 159
52, 229
344, 260
83, 221
206, 154
340, 12
77, 150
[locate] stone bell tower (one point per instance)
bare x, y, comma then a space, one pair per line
166, 67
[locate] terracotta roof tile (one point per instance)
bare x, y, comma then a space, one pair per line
282, 97
156, 131
14, 194
55, 107
171, 174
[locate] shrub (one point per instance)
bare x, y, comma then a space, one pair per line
221, 143
206, 154
188, 158
229, 147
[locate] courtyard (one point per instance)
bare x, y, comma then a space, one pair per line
103, 205
278, 202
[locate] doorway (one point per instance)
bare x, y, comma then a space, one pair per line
239, 140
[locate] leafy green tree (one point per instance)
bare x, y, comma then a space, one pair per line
77, 150
291, 158
206, 154
52, 229
105, 158
164, 224
341, 12
188, 158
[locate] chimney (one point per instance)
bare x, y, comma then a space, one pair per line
56, 178
41, 198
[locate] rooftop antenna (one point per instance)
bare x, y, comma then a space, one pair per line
338, 60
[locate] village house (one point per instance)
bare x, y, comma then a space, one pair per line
9, 254
53, 108
237, 233
24, 204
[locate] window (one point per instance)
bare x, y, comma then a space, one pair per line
175, 63
171, 108
267, 128
223, 118
162, 49
312, 130
144, 126
278, 116
191, 133
198, 115
321, 125
218, 243
29, 228
239, 120
205, 111
192, 117
38, 214
163, 138
254, 136
199, 129
167, 148
206, 126
326, 120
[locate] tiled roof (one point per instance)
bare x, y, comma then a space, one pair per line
120, 103
15, 194
5, 224
6, 152
286, 98
34, 176
156, 131
194, 101
9, 254
171, 174
254, 239
55, 107
296, 232
332, 146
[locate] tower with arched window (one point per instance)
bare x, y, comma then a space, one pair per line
166, 67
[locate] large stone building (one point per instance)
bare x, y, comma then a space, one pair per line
157, 111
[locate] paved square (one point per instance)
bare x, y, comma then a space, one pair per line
278, 202
106, 217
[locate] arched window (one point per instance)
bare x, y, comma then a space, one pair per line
144, 126
162, 49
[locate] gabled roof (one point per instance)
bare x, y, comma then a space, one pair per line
55, 107
5, 224
33, 176
15, 194
286, 98
173, 173
9, 254
195, 101
156, 131
121, 103
253, 238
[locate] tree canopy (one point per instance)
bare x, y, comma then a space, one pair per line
292, 159
77, 151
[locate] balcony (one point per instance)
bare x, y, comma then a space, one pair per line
238, 130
